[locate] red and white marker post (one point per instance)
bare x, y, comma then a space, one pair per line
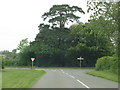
32, 59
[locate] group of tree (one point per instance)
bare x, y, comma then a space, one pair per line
8, 58
110, 13
57, 45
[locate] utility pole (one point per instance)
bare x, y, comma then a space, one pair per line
80, 59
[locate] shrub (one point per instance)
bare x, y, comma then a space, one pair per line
114, 67
107, 63
103, 63
10, 62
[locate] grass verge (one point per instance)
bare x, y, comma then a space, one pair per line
104, 74
0, 80
20, 78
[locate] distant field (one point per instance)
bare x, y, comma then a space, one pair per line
104, 74
20, 78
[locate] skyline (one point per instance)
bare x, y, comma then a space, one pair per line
20, 19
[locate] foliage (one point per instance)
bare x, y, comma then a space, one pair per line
4, 52
118, 39
104, 63
23, 44
62, 14
9, 58
109, 10
89, 44
54, 47
107, 13
25, 57
14, 51
107, 63
48, 56
59, 46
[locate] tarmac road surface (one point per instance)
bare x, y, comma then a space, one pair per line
72, 78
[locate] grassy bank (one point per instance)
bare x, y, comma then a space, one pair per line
104, 74
20, 78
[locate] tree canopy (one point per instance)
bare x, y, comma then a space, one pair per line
62, 14
57, 45
23, 44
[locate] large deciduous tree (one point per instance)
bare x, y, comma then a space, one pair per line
106, 14
23, 44
88, 44
62, 14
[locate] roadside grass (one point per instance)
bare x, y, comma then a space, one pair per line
104, 74
0, 80
20, 78
17, 66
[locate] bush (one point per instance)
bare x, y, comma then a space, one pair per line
10, 62
107, 63
103, 63
114, 67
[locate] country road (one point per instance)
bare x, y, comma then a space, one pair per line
72, 78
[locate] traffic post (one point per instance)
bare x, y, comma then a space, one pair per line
80, 59
32, 59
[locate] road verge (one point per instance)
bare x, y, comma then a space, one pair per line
104, 74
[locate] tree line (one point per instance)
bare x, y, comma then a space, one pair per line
59, 46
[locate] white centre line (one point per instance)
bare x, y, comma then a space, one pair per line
53, 70
83, 84
66, 73
71, 76
77, 79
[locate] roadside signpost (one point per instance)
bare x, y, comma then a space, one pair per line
3, 57
32, 59
80, 59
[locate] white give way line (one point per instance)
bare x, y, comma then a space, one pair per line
76, 79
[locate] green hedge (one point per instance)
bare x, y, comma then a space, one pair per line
107, 63
10, 62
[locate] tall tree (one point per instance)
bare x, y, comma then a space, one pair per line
14, 50
87, 44
62, 14
107, 14
23, 44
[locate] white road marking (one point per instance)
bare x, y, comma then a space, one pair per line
77, 79
72, 76
83, 83
53, 70
62, 71
66, 73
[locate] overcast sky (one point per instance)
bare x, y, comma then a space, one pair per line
19, 19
